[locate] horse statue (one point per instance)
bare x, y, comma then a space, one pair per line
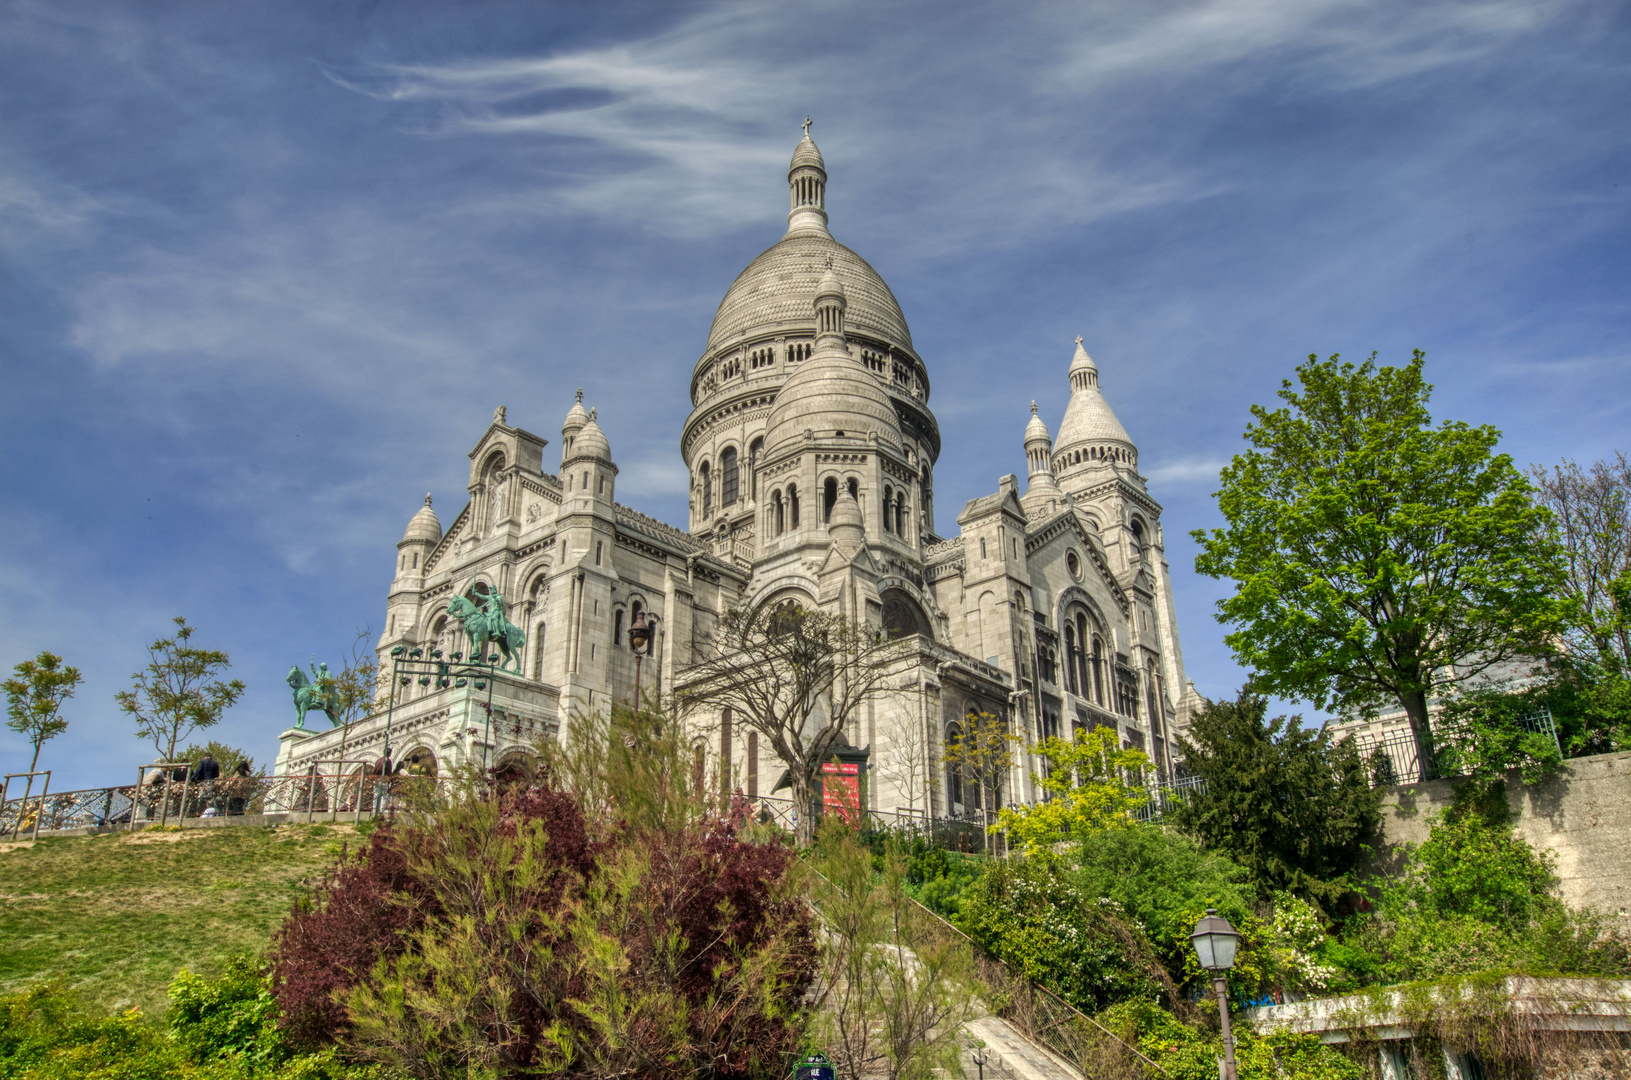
487, 623
317, 692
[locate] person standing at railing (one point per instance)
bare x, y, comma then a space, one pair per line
238, 789
205, 773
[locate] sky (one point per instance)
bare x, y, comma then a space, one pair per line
266, 268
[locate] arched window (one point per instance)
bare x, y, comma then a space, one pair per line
538, 652
1081, 657
829, 498
854, 487
792, 506
1070, 661
728, 478
755, 451
900, 514
888, 509
778, 512
1137, 551
617, 627
1098, 669
707, 490
954, 775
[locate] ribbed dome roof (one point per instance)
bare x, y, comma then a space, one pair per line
776, 290
807, 153
1036, 429
830, 392
576, 417
591, 442
424, 525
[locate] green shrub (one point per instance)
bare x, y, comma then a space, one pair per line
1185, 1053
940, 880
218, 1029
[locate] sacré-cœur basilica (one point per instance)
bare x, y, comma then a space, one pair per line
811, 449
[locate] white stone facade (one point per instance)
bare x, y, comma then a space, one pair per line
811, 450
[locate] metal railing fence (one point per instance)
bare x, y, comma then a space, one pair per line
310, 796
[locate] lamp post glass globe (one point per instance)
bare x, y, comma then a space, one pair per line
1215, 940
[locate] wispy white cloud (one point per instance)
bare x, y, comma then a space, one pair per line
1185, 471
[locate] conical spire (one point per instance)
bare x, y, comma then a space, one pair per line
423, 525
1090, 434
1083, 371
1042, 492
807, 187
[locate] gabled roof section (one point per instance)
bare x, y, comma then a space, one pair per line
1005, 501
1066, 522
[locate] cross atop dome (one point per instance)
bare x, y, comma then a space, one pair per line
806, 127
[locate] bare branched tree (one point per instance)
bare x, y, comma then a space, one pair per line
982, 751
1591, 516
909, 763
797, 677
357, 685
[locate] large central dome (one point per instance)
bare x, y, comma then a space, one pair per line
773, 294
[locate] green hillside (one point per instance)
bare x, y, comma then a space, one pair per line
117, 916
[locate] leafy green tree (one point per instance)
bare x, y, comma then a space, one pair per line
1280, 799
225, 756
180, 691
1092, 782
34, 697
1377, 558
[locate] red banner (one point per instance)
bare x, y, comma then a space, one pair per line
841, 791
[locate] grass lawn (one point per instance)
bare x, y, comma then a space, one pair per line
117, 916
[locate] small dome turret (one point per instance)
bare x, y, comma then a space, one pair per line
1036, 431
831, 393
424, 525
591, 442
575, 419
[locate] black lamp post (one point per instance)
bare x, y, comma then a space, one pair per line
640, 631
1215, 941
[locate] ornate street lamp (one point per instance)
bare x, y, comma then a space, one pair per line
640, 631
1215, 941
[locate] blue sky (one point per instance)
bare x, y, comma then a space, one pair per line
267, 268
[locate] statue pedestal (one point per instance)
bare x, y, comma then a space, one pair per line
289, 744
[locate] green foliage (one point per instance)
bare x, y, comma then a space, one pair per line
1374, 554
1092, 782
221, 1029
1475, 897
892, 998
1296, 811
1185, 1053
1470, 866
1081, 946
225, 756
940, 879
1161, 881
1484, 734
34, 697
180, 691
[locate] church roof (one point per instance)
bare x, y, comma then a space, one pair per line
1088, 417
591, 442
424, 525
807, 153
775, 292
831, 392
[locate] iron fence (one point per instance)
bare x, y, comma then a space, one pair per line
307, 796
1394, 757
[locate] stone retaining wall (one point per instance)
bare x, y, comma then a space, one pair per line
1581, 814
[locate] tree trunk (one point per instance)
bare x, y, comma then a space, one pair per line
804, 807
1415, 707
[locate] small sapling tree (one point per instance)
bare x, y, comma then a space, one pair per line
180, 691
34, 697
